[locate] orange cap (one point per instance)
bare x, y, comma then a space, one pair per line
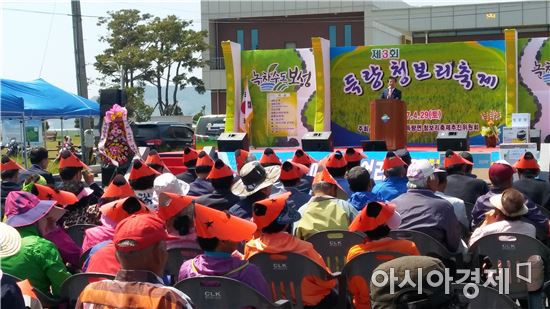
63, 198
302, 157
240, 157
269, 157
452, 158
392, 160
353, 156
291, 170
375, 214
118, 188
527, 161
189, 154
335, 160
220, 170
266, 211
121, 209
204, 159
210, 223
140, 170
10, 166
170, 204
71, 161
154, 158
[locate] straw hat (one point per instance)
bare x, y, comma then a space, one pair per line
10, 240
255, 177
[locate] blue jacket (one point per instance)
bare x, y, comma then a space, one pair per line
390, 188
360, 199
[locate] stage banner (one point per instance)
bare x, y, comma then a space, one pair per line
534, 82
282, 84
447, 86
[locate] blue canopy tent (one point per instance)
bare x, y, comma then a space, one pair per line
44, 100
11, 106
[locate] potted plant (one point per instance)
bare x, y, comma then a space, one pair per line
490, 130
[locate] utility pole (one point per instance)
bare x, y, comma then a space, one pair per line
80, 65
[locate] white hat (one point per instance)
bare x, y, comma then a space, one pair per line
167, 182
10, 240
420, 169
496, 201
255, 177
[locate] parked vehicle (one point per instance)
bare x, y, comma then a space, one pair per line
163, 136
208, 129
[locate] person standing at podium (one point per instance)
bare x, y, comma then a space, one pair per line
391, 92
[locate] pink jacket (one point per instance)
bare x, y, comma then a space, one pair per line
98, 234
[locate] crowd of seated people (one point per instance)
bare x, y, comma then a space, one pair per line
219, 219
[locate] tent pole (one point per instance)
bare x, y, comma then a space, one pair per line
62, 134
24, 143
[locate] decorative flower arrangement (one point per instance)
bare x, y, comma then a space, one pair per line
117, 144
490, 130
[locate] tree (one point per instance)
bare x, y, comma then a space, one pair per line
199, 114
160, 51
138, 110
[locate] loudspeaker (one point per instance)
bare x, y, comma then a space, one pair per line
454, 140
374, 145
108, 98
317, 141
228, 142
534, 137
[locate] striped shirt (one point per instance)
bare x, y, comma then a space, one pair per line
132, 289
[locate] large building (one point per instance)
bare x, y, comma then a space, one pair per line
289, 24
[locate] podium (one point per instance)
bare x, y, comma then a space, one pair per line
388, 122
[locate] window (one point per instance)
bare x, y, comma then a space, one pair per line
347, 35
332, 35
290, 44
254, 39
240, 38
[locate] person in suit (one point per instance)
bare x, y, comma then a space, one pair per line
391, 92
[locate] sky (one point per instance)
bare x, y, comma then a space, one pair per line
37, 41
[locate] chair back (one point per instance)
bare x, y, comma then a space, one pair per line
84, 257
363, 266
176, 257
284, 273
333, 246
515, 253
223, 292
75, 284
427, 245
77, 232
45, 300
479, 296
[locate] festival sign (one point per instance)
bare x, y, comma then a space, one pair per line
534, 82
447, 86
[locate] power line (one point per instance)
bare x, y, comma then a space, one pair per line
47, 13
47, 41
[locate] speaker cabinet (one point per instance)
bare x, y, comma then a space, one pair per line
454, 140
108, 98
317, 141
374, 145
228, 142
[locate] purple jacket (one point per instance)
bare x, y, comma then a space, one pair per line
200, 187
220, 264
69, 250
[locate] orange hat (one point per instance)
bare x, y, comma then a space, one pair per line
375, 214
210, 223
354, 156
10, 166
170, 204
302, 157
220, 170
121, 209
189, 154
240, 157
527, 161
154, 158
63, 198
140, 170
269, 157
204, 159
452, 158
274, 208
291, 170
71, 161
335, 160
324, 176
118, 188
392, 160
